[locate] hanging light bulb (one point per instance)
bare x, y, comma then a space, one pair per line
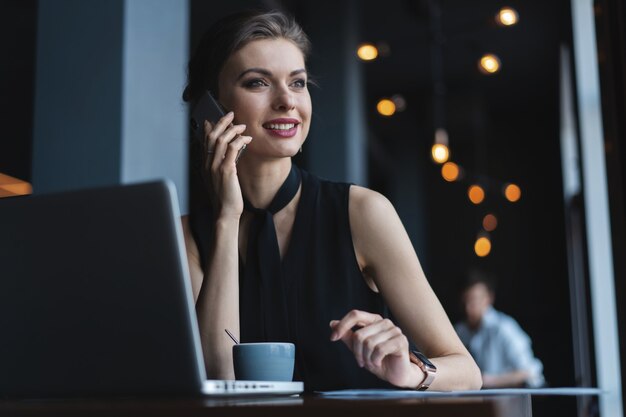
490, 222
441, 136
507, 16
450, 171
440, 153
367, 52
489, 64
476, 194
512, 192
386, 107
482, 246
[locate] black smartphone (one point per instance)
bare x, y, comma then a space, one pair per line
208, 108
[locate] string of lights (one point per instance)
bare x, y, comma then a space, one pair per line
488, 64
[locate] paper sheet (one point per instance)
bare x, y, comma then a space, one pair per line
391, 393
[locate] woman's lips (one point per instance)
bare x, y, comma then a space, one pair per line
282, 128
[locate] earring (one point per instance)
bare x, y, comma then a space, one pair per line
300, 149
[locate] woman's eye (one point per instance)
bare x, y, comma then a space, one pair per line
300, 83
255, 83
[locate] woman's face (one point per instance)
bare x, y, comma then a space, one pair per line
265, 85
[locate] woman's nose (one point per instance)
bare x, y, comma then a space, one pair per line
284, 100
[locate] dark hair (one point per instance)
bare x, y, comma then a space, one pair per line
227, 36
476, 276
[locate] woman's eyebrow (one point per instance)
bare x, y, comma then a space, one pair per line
298, 71
267, 73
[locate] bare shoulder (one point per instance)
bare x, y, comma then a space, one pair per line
371, 214
377, 231
368, 204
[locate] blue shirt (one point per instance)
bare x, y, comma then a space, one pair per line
500, 345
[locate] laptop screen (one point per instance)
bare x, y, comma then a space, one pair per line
94, 295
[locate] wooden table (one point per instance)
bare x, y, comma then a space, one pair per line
308, 405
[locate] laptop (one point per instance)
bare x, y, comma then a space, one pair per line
95, 298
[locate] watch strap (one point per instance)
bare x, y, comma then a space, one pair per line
426, 366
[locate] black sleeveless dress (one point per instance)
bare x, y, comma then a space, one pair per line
322, 282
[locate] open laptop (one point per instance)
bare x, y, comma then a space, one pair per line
95, 298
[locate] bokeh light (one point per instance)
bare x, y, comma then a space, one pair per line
450, 171
512, 193
507, 16
440, 153
11, 186
482, 247
490, 222
386, 107
489, 64
399, 101
367, 52
476, 194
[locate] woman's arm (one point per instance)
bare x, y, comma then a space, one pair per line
216, 294
216, 288
193, 259
386, 255
506, 380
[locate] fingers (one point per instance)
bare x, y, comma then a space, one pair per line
353, 318
375, 340
366, 339
222, 142
211, 132
346, 338
234, 149
391, 342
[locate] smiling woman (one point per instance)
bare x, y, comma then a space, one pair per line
266, 82
280, 255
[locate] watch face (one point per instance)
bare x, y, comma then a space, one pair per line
424, 359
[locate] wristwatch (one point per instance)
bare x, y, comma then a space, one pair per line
426, 366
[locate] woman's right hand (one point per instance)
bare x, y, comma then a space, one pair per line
223, 144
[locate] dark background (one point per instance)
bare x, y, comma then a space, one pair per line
18, 24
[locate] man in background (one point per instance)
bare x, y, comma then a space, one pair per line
498, 344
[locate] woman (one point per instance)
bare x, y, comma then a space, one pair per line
280, 255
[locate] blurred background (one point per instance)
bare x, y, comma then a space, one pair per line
466, 115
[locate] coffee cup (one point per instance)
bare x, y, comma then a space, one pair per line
264, 361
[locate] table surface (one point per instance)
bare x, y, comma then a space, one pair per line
306, 405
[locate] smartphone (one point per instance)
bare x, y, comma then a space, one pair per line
208, 108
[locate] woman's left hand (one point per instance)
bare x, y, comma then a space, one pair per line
378, 346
